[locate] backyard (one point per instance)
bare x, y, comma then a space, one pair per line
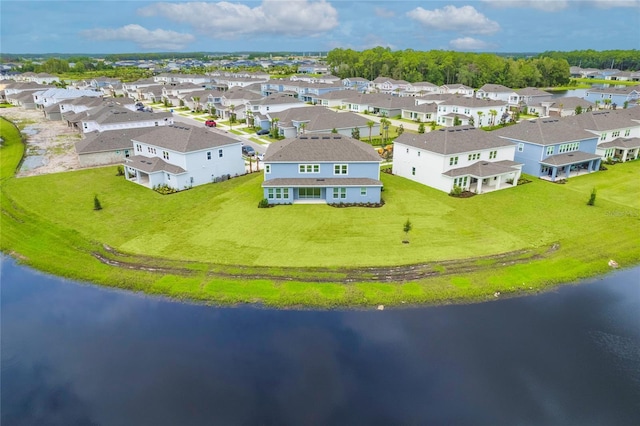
545, 232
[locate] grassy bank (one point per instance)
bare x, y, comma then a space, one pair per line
212, 243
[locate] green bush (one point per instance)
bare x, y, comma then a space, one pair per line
264, 203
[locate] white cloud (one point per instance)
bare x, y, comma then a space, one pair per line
226, 20
465, 19
144, 38
468, 43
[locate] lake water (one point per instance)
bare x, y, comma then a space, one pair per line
76, 354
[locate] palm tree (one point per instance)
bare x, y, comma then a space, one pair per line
607, 103
493, 113
196, 102
370, 125
249, 115
302, 127
480, 114
274, 127
232, 115
384, 128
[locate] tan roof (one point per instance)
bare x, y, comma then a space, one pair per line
321, 147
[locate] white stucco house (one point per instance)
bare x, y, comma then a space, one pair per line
466, 157
181, 157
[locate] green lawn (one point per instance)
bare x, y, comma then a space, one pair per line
49, 222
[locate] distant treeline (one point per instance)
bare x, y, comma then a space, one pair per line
447, 67
625, 60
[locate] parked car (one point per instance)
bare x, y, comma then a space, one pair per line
248, 151
210, 123
262, 132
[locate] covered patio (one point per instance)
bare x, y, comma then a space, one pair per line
485, 176
623, 149
564, 166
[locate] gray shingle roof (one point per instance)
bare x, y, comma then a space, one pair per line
326, 182
483, 169
495, 88
185, 138
606, 120
624, 143
569, 158
153, 165
321, 147
111, 140
453, 140
115, 114
544, 131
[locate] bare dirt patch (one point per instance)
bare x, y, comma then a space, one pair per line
50, 145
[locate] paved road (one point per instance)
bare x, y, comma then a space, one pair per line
260, 149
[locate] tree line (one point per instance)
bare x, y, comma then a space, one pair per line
625, 60
447, 67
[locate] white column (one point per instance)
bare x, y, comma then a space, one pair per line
498, 182
479, 186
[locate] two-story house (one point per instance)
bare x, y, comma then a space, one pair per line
323, 168
610, 96
553, 148
618, 132
114, 118
181, 157
463, 157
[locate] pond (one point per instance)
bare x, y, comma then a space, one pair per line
77, 354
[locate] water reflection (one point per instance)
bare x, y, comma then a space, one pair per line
74, 354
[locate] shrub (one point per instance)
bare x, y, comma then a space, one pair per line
96, 203
263, 204
456, 191
120, 171
592, 198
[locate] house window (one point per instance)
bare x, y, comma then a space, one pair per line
339, 193
309, 192
340, 169
615, 134
627, 132
168, 176
208, 155
520, 147
475, 156
493, 154
603, 136
413, 171
270, 193
453, 161
309, 168
568, 147
138, 147
407, 150
267, 168
609, 152
165, 155
220, 153
550, 150
461, 182
156, 123
363, 191
126, 153
418, 153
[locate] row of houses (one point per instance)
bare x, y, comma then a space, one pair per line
334, 168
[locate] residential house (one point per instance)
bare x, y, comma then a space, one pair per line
611, 97
174, 94
20, 94
356, 83
468, 110
552, 148
561, 107
49, 97
457, 89
233, 101
175, 78
110, 147
181, 157
498, 92
465, 157
388, 85
382, 104
618, 132
116, 118
423, 112
317, 119
532, 96
420, 89
321, 168
273, 103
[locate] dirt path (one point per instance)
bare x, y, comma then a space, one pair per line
50, 144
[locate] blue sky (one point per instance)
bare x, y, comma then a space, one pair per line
317, 25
